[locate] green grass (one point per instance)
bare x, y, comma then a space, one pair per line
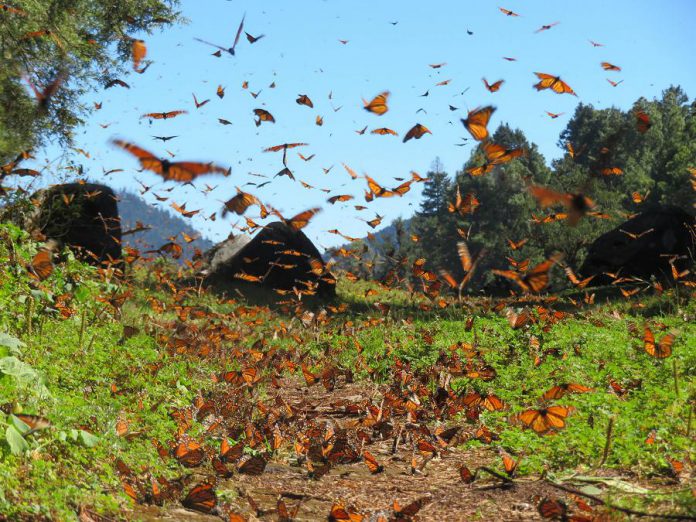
96, 376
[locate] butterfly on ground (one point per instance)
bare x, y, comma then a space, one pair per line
577, 204
477, 120
548, 81
201, 497
371, 462
378, 104
175, 171
560, 390
534, 281
544, 420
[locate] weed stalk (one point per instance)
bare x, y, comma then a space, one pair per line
607, 444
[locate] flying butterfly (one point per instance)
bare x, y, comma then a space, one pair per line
643, 122
561, 390
548, 81
240, 202
477, 120
176, 171
536, 280
577, 204
303, 99
660, 350
416, 132
493, 87
163, 115
378, 104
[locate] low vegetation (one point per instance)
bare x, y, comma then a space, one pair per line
119, 394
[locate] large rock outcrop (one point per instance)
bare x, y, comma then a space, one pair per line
643, 246
277, 258
82, 216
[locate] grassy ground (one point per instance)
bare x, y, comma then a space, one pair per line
114, 367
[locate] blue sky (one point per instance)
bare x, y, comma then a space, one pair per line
653, 43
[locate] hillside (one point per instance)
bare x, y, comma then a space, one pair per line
133, 209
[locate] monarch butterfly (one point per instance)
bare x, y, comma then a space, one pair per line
13, 10
301, 220
220, 91
319, 121
579, 283
408, 511
239, 203
378, 105
176, 171
509, 464
197, 103
263, 115
498, 154
548, 81
507, 12
477, 121
383, 130
253, 39
163, 115
41, 266
138, 52
189, 453
546, 27
371, 462
377, 189
44, 97
490, 401
230, 453
553, 508
202, 497
536, 279
284, 514
341, 198
34, 422
560, 390
545, 419
466, 475
643, 122
284, 147
417, 132
610, 66
494, 87
661, 350
340, 513
517, 245
303, 99
251, 465
577, 204
464, 205
554, 115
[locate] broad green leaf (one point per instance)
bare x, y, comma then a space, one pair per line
87, 439
11, 343
22, 427
18, 446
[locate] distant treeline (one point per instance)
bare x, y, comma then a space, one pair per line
625, 161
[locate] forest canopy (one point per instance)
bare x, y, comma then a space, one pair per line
624, 165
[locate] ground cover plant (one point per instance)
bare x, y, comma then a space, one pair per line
119, 394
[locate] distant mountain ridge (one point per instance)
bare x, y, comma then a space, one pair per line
132, 208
